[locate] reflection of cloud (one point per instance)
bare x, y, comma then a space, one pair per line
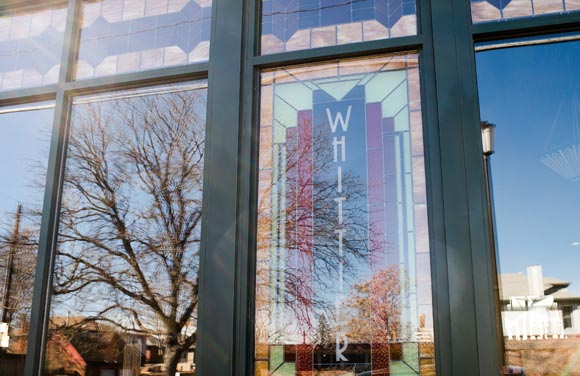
575, 244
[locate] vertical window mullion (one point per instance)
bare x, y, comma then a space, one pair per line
249, 136
216, 329
54, 180
440, 279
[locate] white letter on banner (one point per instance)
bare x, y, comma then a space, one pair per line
339, 118
342, 144
340, 233
339, 200
340, 349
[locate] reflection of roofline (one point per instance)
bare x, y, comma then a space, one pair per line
556, 287
573, 298
513, 285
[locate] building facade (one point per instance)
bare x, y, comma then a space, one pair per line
289, 187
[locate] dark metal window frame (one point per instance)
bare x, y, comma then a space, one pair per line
464, 306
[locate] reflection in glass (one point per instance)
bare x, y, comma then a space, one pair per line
492, 10
298, 25
531, 94
24, 144
126, 274
120, 36
31, 40
343, 278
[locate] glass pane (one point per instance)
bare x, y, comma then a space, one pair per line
31, 41
126, 273
492, 10
343, 263
531, 94
120, 36
298, 25
24, 146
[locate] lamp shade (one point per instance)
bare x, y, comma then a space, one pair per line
487, 137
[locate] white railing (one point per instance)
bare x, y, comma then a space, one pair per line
4, 339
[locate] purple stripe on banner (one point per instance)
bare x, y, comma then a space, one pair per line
374, 114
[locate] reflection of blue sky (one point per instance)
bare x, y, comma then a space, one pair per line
24, 142
537, 210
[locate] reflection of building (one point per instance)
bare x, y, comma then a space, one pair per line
87, 348
541, 322
81, 347
17, 259
534, 305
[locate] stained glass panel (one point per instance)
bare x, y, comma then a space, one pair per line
492, 10
343, 263
289, 25
120, 36
31, 41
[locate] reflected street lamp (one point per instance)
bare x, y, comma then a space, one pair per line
487, 138
487, 141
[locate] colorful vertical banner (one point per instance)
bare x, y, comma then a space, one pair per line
342, 283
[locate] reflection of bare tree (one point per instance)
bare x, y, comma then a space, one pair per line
130, 217
17, 264
303, 234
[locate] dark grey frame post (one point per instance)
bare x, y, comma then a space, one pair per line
216, 318
470, 284
248, 192
53, 191
435, 208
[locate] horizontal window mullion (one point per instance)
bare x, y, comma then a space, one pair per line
138, 79
334, 52
27, 95
528, 26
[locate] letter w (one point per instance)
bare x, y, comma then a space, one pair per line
339, 118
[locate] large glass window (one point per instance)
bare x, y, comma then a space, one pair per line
298, 25
531, 94
343, 263
24, 143
126, 281
120, 36
31, 40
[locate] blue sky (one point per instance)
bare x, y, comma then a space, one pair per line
532, 95
24, 141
